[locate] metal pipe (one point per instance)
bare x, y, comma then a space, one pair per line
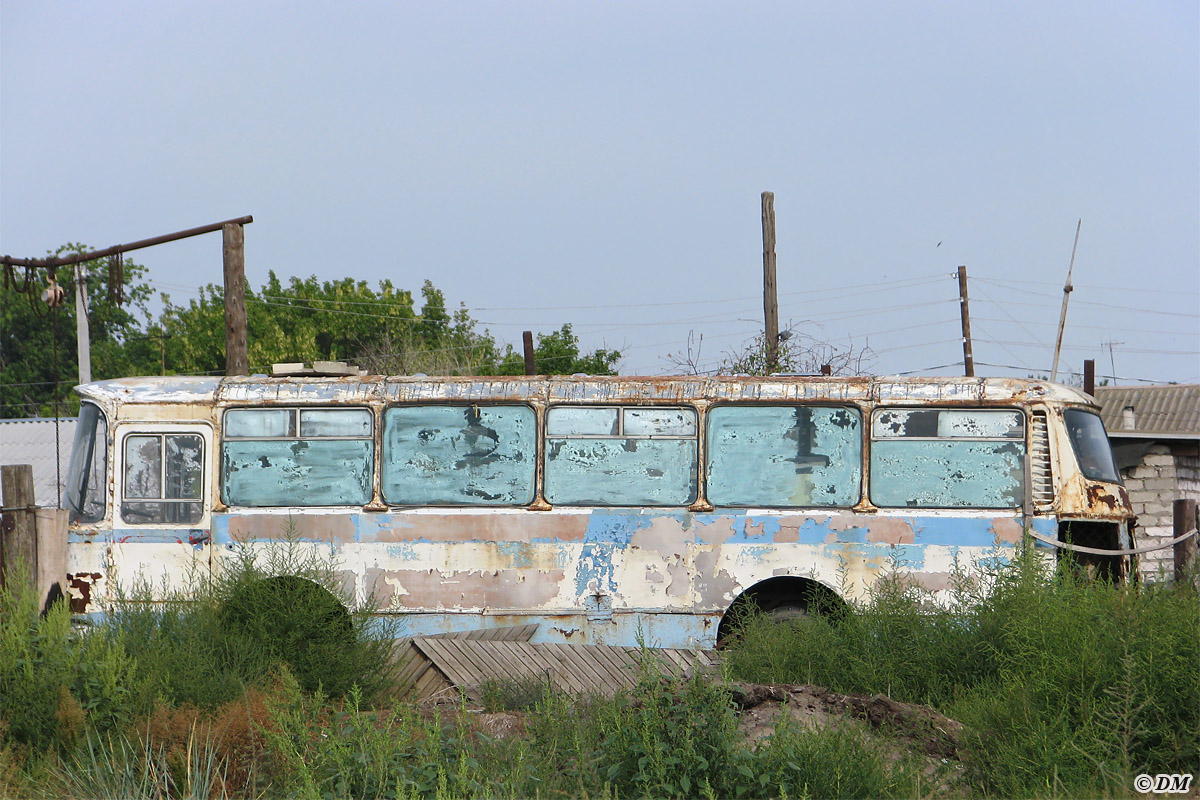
57, 261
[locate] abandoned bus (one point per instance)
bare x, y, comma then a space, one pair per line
603, 509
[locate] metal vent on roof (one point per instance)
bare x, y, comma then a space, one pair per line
339, 369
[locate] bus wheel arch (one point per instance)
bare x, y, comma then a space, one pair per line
782, 598
287, 612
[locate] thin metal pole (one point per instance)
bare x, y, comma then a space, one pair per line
83, 338
1062, 318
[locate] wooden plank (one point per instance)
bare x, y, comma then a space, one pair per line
624, 672
579, 678
585, 662
545, 665
445, 656
504, 666
469, 653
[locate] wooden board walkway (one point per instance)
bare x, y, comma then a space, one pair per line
436, 666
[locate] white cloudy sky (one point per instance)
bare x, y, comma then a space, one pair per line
600, 163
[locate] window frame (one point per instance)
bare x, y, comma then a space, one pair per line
295, 436
864, 436
1022, 440
535, 460
122, 433
695, 438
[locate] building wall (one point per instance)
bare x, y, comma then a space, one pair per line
1166, 473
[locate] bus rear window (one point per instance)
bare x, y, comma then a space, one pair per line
948, 458
1091, 445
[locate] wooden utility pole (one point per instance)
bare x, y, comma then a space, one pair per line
530, 362
237, 361
1185, 552
770, 299
965, 309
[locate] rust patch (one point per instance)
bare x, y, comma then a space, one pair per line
434, 589
337, 528
1096, 496
889, 530
933, 581
664, 536
715, 532
716, 589
788, 533
82, 582
1008, 530
483, 527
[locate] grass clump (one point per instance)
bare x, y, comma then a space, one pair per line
1066, 686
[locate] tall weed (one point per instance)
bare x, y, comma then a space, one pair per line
1066, 686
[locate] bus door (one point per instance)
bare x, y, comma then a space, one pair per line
162, 507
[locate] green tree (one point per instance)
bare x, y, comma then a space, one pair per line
38, 353
557, 353
343, 320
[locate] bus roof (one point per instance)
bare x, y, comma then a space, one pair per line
890, 390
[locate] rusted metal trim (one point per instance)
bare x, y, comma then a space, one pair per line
1101, 552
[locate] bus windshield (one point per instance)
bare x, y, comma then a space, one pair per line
86, 475
1091, 446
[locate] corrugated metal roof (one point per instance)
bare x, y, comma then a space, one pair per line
31, 441
1155, 412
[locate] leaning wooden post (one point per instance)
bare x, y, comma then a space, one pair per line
770, 298
33, 542
18, 540
237, 362
1185, 551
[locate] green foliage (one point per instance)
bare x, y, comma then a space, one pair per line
280, 605
54, 681
557, 353
38, 344
838, 761
1067, 687
378, 328
114, 767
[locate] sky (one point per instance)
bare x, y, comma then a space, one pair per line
601, 164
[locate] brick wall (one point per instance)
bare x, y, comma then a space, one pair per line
1164, 476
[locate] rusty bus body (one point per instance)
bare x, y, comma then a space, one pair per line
605, 509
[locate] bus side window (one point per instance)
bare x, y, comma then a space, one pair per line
297, 456
948, 458
164, 479
459, 455
615, 456
784, 456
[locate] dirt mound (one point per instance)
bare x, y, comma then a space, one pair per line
926, 730
759, 706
